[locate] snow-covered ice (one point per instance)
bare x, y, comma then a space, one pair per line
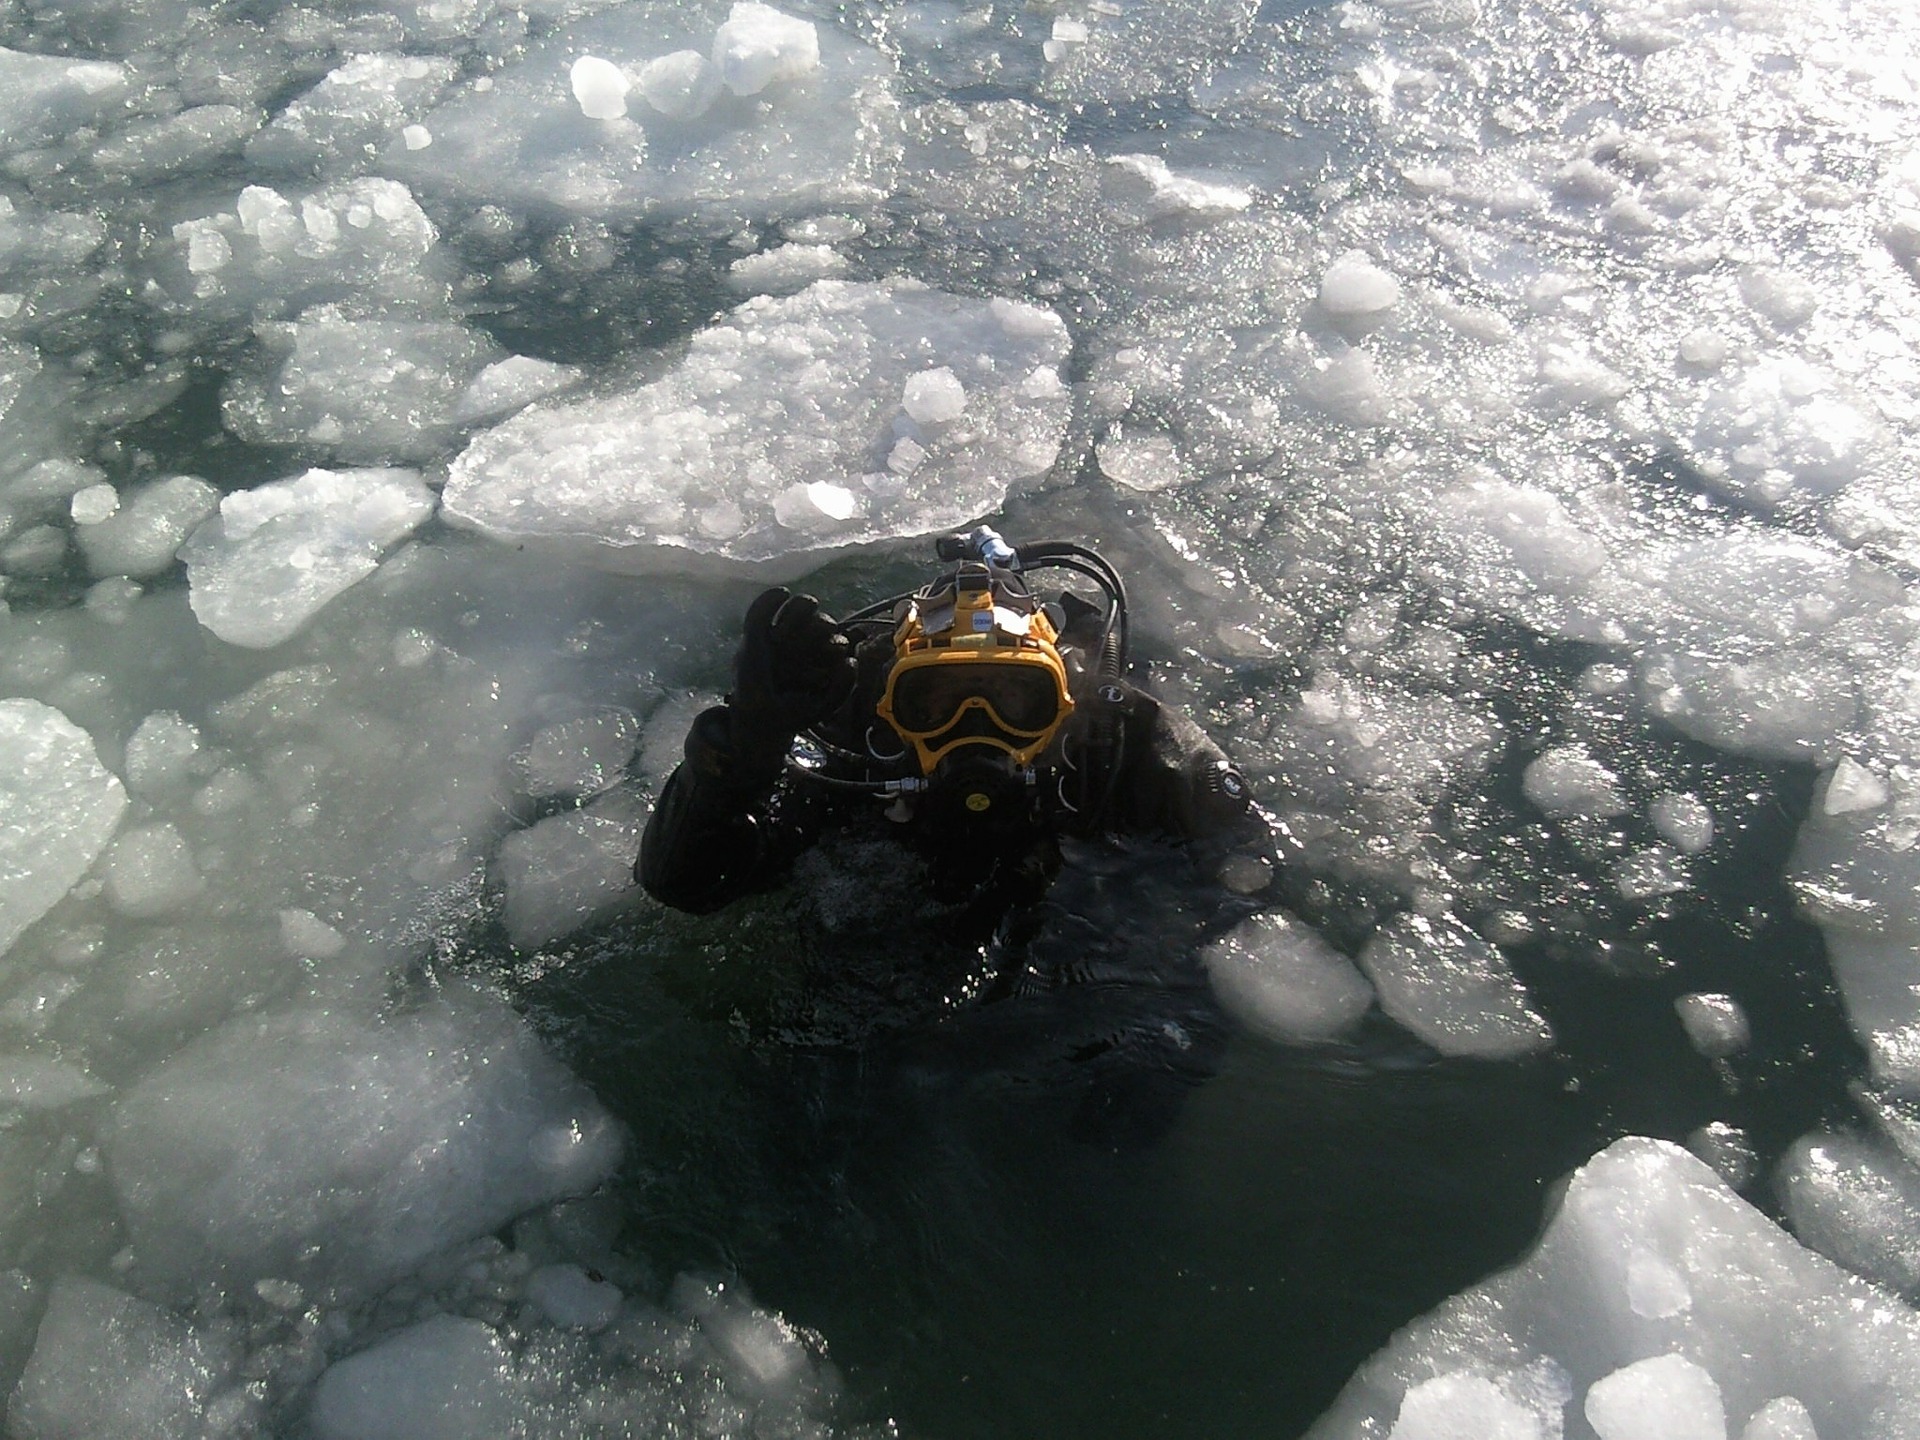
768, 446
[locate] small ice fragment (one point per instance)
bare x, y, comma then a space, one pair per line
150, 872
1683, 820
1354, 286
306, 936
1460, 1405
573, 1299
906, 456
1726, 1148
680, 86
1715, 1024
281, 1294
1853, 788
1666, 1398
758, 46
934, 396
416, 137
1566, 781
1782, 1418
600, 87
1067, 34
1650, 872
1159, 192
160, 753
1705, 349
94, 504
1145, 463
815, 503
1042, 382
207, 250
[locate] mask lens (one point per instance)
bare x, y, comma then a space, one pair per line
928, 697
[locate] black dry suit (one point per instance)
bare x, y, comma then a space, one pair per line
745, 803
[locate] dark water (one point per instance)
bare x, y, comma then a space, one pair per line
1004, 1230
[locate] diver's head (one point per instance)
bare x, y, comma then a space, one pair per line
977, 682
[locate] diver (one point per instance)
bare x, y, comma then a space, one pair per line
974, 721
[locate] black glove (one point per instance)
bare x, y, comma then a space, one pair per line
793, 668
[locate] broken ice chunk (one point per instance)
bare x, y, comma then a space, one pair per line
580, 756
93, 504
446, 1378
1782, 1418
679, 86
785, 269
815, 505
275, 555
571, 869
305, 936
1458, 1405
1857, 1201
1668, 1397
1354, 286
1444, 983
147, 528
336, 1148
1715, 1024
934, 396
1567, 781
760, 427
61, 807
1143, 463
1852, 788
512, 384
599, 87
573, 1299
1767, 1317
47, 97
1279, 978
150, 871
1146, 186
105, 1363
37, 1083
1684, 820
758, 46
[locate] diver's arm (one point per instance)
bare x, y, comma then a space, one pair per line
718, 831
705, 844
1175, 781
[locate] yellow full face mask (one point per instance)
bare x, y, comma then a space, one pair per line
975, 663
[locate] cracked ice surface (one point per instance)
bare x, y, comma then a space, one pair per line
787, 435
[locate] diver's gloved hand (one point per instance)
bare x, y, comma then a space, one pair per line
793, 668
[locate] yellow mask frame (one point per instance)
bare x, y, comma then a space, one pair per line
975, 663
